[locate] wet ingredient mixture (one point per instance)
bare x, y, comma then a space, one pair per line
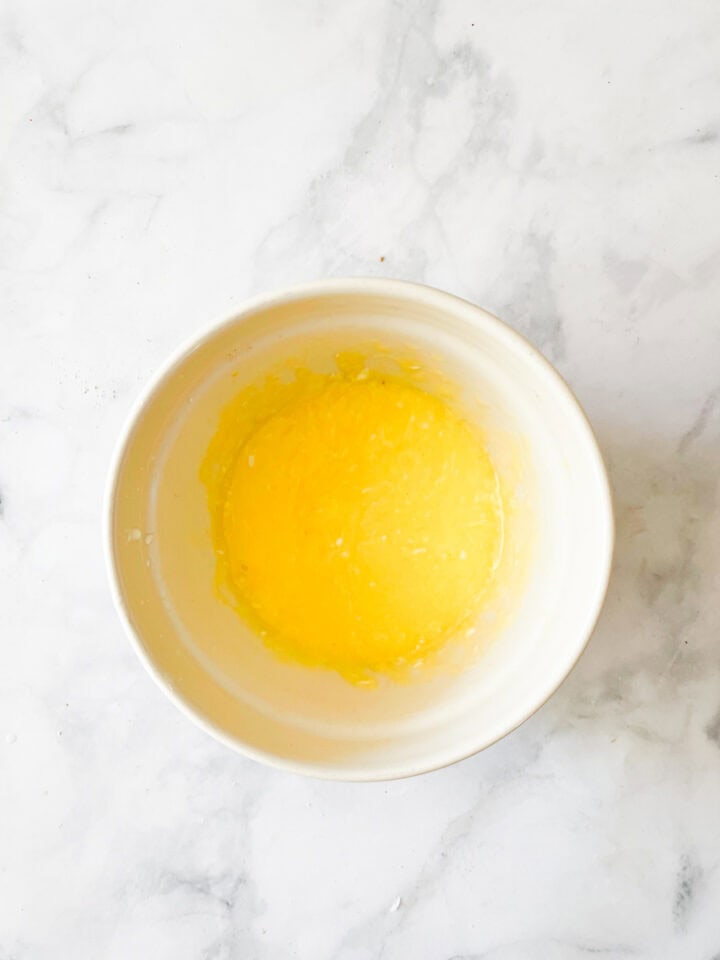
357, 520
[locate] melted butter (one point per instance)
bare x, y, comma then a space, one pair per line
357, 520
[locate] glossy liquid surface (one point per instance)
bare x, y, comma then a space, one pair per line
357, 520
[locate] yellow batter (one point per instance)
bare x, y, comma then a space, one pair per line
357, 519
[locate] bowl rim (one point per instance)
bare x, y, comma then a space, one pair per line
397, 289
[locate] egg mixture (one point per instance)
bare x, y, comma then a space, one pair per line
357, 519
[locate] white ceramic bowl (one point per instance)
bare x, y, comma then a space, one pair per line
308, 720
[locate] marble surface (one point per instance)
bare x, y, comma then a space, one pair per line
556, 162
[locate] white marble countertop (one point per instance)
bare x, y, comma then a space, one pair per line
556, 162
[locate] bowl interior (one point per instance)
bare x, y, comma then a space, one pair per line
312, 720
